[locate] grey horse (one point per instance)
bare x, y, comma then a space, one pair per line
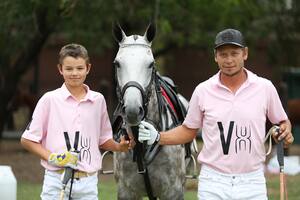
140, 98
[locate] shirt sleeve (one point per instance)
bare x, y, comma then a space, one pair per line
275, 111
105, 125
194, 116
37, 127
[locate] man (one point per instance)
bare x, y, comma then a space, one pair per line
231, 109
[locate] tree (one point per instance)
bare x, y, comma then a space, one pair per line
26, 26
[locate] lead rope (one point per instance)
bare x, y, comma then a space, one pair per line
271, 131
139, 150
280, 158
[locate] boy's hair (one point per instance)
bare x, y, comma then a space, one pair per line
73, 50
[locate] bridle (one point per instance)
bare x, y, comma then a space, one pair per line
146, 93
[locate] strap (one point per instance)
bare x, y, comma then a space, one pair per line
71, 186
163, 92
271, 131
172, 94
148, 185
67, 139
75, 146
139, 154
76, 140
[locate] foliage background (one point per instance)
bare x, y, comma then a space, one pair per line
29, 26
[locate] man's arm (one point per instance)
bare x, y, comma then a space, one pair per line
179, 135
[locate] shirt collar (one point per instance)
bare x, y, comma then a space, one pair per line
67, 94
251, 77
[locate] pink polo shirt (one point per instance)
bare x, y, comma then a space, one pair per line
57, 112
233, 125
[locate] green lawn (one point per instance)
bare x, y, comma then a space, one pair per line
107, 189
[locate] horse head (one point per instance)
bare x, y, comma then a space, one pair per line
134, 68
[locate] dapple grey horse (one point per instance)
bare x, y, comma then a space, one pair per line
139, 98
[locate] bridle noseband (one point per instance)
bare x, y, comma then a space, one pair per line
136, 85
144, 92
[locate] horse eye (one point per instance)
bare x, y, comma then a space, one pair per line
151, 65
116, 64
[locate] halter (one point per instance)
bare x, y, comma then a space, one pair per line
129, 45
144, 92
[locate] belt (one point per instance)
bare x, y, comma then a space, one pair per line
78, 174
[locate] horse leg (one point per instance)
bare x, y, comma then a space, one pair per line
126, 194
174, 193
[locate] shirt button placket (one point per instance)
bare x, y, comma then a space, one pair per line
78, 120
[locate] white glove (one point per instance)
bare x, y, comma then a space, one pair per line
148, 133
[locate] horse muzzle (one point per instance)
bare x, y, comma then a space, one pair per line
132, 108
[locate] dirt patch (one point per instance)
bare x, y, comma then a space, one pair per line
25, 166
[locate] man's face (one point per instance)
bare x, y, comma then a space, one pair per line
230, 59
74, 71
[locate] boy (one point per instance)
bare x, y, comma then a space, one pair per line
68, 126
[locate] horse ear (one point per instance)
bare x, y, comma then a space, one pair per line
150, 32
118, 32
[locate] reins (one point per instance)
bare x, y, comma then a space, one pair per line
165, 95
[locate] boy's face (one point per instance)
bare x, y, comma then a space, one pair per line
74, 71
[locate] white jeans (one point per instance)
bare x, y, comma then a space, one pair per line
82, 189
214, 185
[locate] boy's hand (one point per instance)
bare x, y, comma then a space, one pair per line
125, 145
66, 159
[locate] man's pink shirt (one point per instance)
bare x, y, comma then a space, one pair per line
57, 112
217, 111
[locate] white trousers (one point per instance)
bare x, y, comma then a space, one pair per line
214, 185
82, 189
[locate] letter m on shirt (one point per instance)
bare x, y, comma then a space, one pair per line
225, 144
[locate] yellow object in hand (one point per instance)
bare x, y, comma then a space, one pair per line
66, 159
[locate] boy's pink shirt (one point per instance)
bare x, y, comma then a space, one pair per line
58, 112
213, 107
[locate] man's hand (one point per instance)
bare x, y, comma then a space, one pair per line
284, 133
148, 133
66, 159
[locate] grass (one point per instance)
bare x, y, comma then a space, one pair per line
108, 191
293, 188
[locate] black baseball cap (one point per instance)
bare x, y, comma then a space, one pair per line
229, 36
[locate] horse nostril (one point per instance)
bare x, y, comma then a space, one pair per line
141, 111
